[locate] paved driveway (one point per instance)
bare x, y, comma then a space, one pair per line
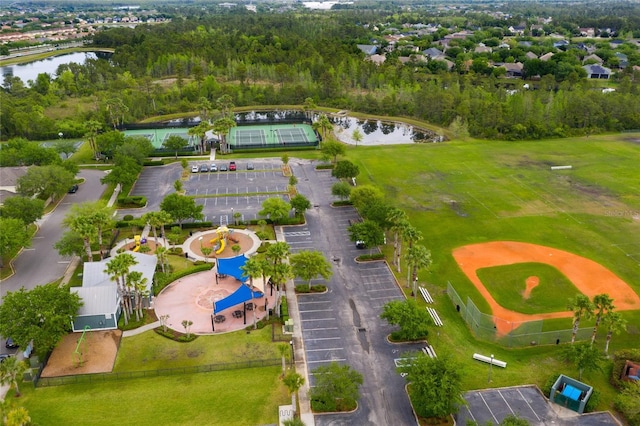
343, 325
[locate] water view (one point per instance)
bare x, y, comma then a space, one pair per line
30, 70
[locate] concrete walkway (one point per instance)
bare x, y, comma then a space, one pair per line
142, 329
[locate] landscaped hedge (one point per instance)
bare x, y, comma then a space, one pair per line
284, 309
162, 280
153, 163
342, 203
324, 166
132, 201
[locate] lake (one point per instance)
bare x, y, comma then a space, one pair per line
30, 70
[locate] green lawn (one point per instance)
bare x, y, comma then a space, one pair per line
150, 351
507, 284
459, 193
237, 397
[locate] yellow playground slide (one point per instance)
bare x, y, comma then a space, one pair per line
222, 243
137, 240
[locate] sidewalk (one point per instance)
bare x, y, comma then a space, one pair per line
306, 415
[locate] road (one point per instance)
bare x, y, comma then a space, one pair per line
344, 324
40, 263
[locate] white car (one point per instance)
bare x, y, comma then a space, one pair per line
195, 169
213, 168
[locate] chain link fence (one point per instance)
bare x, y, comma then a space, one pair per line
526, 333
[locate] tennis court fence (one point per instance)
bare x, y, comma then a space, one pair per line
524, 333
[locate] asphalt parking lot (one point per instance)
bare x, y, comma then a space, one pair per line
222, 193
491, 406
343, 325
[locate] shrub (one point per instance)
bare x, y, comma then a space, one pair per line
284, 309
324, 166
176, 336
162, 280
132, 201
366, 257
263, 247
127, 217
342, 203
620, 359
153, 163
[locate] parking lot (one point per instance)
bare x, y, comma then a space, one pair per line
491, 406
222, 193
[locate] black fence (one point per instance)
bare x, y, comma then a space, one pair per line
108, 377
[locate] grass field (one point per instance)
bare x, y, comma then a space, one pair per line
202, 398
508, 283
460, 193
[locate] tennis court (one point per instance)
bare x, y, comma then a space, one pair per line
272, 136
158, 136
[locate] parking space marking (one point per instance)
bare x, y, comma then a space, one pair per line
327, 360
314, 302
320, 328
318, 319
488, 408
317, 310
329, 349
297, 234
322, 338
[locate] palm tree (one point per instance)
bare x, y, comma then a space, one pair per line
138, 283
411, 235
252, 269
614, 323
279, 271
200, 131
222, 126
293, 381
102, 219
581, 307
397, 220
324, 124
161, 254
163, 218
117, 269
11, 372
603, 304
309, 105
284, 350
418, 257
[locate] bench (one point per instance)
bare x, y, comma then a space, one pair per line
434, 316
488, 360
428, 350
425, 295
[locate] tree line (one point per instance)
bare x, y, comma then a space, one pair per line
279, 59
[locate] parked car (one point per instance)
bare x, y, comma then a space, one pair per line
10, 344
194, 169
249, 166
232, 166
213, 168
73, 189
223, 168
204, 168
3, 357
360, 244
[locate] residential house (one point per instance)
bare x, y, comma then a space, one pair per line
531, 55
513, 70
99, 293
546, 56
597, 71
376, 59
587, 32
561, 44
432, 53
481, 48
368, 49
623, 61
593, 58
8, 180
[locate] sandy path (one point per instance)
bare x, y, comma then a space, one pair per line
588, 276
99, 354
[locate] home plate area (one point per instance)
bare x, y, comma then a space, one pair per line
491, 406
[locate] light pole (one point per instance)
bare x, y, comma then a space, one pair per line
60, 135
293, 353
490, 367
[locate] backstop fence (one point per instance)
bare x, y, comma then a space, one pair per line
526, 333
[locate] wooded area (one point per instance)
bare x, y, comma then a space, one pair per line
284, 58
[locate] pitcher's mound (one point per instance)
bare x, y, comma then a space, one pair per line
532, 282
99, 350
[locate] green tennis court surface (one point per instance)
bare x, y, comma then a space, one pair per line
241, 137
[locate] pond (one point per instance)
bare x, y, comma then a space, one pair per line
30, 70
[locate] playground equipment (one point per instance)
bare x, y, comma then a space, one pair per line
78, 354
136, 238
220, 241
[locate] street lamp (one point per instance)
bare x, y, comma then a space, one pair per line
293, 353
60, 135
490, 367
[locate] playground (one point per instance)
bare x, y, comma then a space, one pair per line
98, 352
